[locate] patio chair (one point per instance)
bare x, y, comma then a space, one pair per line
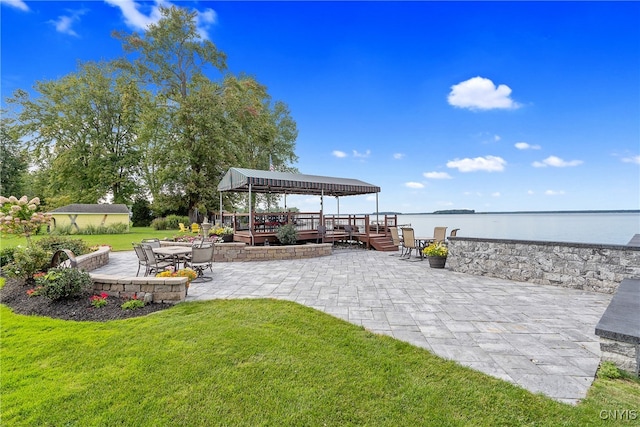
182, 227
155, 264
395, 237
200, 259
154, 243
439, 234
454, 232
195, 228
350, 229
409, 242
142, 258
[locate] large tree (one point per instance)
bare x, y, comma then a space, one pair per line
209, 125
82, 130
13, 161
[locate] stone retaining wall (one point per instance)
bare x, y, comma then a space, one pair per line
93, 260
151, 289
235, 252
590, 267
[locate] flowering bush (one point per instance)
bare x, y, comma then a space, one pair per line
99, 301
221, 231
189, 273
132, 303
34, 292
21, 216
436, 249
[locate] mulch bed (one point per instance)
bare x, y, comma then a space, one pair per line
14, 295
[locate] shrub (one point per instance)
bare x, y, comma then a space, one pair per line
608, 370
117, 228
53, 243
132, 304
174, 220
27, 262
63, 230
287, 234
159, 224
64, 283
6, 256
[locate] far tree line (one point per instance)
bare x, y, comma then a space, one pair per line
148, 126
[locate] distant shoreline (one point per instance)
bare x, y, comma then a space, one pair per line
512, 212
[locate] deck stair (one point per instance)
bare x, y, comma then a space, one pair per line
383, 243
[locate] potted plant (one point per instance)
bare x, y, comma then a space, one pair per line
436, 254
225, 234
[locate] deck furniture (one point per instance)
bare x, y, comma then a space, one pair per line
154, 264
200, 259
409, 243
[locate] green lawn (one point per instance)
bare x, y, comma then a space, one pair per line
118, 242
258, 362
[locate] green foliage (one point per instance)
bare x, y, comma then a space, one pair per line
90, 229
26, 262
63, 283
608, 370
159, 224
436, 249
141, 213
52, 243
6, 256
174, 220
132, 304
14, 164
116, 228
287, 234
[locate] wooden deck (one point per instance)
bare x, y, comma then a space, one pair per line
265, 226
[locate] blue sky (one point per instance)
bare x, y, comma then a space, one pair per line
492, 106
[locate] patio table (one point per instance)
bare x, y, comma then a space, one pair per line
178, 253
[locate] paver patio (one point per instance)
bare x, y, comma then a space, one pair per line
538, 337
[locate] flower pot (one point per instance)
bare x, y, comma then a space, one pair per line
437, 261
227, 238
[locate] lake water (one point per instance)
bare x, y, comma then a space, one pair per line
593, 227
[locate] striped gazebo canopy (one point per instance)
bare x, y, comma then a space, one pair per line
260, 181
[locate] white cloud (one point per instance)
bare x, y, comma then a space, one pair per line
398, 156
496, 138
414, 185
526, 146
137, 20
556, 162
370, 198
530, 192
18, 4
479, 93
487, 164
554, 192
361, 155
496, 194
64, 22
436, 175
632, 159
339, 154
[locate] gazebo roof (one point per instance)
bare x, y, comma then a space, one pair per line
239, 179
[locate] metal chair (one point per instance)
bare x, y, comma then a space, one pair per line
142, 258
200, 259
349, 229
409, 242
154, 264
395, 237
439, 234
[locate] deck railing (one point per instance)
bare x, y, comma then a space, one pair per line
269, 222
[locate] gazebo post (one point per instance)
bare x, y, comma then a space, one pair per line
250, 217
322, 207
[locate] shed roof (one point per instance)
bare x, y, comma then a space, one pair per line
238, 179
86, 208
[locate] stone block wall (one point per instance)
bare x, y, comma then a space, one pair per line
235, 252
624, 355
590, 267
93, 260
152, 289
